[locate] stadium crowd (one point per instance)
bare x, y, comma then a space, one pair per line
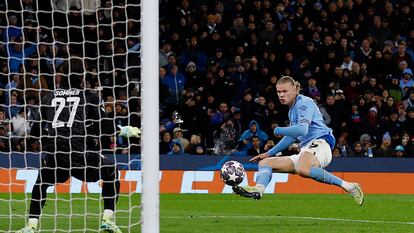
219, 62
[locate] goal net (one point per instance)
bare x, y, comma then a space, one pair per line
43, 43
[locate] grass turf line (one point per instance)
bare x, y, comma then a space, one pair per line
227, 213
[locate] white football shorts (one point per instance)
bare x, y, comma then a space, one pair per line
320, 148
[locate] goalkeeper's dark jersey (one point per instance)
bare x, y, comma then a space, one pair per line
70, 120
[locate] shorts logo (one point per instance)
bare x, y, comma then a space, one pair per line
313, 145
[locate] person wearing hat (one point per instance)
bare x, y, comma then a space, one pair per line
370, 124
385, 149
347, 62
179, 135
399, 151
406, 79
176, 148
13, 32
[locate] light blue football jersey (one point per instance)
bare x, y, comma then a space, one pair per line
306, 111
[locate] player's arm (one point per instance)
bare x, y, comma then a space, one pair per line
279, 147
97, 111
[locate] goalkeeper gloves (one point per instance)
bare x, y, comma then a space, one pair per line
129, 131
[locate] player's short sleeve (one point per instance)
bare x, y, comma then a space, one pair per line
305, 110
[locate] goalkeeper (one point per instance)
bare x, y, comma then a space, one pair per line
69, 129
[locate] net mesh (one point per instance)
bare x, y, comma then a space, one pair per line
43, 43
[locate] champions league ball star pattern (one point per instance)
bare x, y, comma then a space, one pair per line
232, 173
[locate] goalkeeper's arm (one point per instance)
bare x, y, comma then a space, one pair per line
129, 131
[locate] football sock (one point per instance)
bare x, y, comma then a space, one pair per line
323, 176
108, 214
33, 222
347, 186
264, 175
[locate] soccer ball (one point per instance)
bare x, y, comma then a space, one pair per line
232, 173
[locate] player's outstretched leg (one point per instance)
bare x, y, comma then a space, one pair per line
256, 192
357, 194
248, 191
326, 177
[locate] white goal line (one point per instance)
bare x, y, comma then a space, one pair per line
249, 217
285, 217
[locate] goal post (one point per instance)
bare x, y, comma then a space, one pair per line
150, 117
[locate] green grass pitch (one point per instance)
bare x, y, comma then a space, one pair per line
227, 213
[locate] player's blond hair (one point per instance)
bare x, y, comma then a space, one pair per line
288, 79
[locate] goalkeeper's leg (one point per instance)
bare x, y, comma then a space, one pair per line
107, 172
47, 177
110, 193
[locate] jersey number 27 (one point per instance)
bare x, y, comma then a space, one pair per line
61, 102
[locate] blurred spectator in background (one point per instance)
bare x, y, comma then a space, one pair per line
176, 148
385, 149
399, 151
165, 142
357, 150
256, 146
245, 141
179, 137
195, 146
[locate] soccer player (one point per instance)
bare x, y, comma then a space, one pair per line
316, 142
69, 129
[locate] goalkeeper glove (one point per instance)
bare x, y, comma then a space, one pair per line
129, 131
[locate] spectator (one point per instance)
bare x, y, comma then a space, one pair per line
399, 151
366, 142
4, 136
175, 82
342, 145
165, 143
395, 89
256, 148
195, 146
357, 150
406, 80
336, 152
179, 137
13, 31
245, 142
18, 54
165, 52
385, 149
14, 107
370, 125
409, 102
409, 122
176, 148
15, 80
34, 85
